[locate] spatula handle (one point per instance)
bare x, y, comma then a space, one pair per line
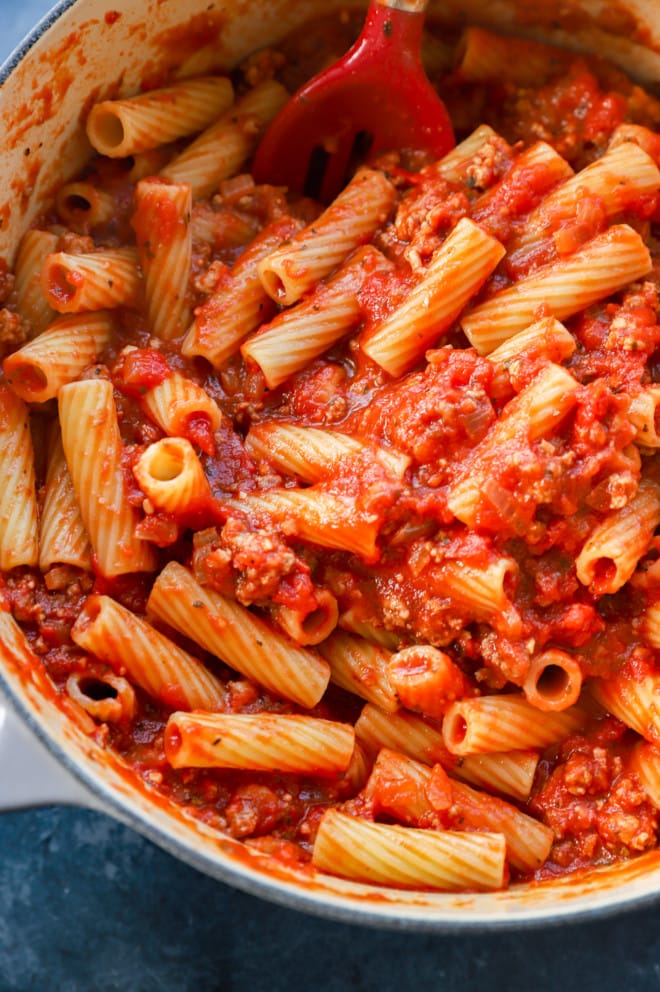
410, 6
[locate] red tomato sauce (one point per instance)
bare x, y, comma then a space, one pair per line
544, 496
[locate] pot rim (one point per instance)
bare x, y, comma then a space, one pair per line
295, 896
326, 905
17, 54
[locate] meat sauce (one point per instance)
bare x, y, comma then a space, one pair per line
550, 493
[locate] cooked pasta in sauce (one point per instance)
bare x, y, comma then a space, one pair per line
337, 522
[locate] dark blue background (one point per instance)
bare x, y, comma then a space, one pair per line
88, 906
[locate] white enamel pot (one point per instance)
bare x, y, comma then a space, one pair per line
74, 55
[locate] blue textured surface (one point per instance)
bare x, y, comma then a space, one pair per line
88, 906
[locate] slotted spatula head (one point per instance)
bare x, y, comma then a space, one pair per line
375, 99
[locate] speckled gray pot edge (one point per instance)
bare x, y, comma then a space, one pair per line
92, 793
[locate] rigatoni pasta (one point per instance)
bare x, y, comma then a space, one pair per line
337, 522
455, 165
553, 680
645, 763
30, 300
464, 262
288, 272
426, 680
19, 534
118, 637
603, 266
360, 668
410, 792
295, 337
99, 280
390, 855
164, 240
222, 148
108, 698
238, 303
63, 539
311, 453
535, 412
83, 206
310, 624
506, 722
119, 128
172, 478
645, 416
240, 638
511, 773
547, 338
633, 699
622, 174
611, 552
93, 451
182, 408
260, 742
320, 517
38, 370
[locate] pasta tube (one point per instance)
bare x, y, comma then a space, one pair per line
275, 742
118, 128
604, 265
93, 449
127, 642
241, 638
19, 528
347, 223
403, 856
59, 355
456, 272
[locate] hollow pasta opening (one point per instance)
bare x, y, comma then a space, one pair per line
456, 728
553, 682
97, 689
603, 573
63, 283
166, 464
76, 203
109, 129
29, 377
273, 285
315, 622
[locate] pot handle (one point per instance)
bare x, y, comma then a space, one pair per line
29, 775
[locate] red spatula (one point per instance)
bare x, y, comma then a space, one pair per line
376, 98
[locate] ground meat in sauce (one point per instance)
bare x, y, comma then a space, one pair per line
13, 331
544, 496
596, 808
252, 565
